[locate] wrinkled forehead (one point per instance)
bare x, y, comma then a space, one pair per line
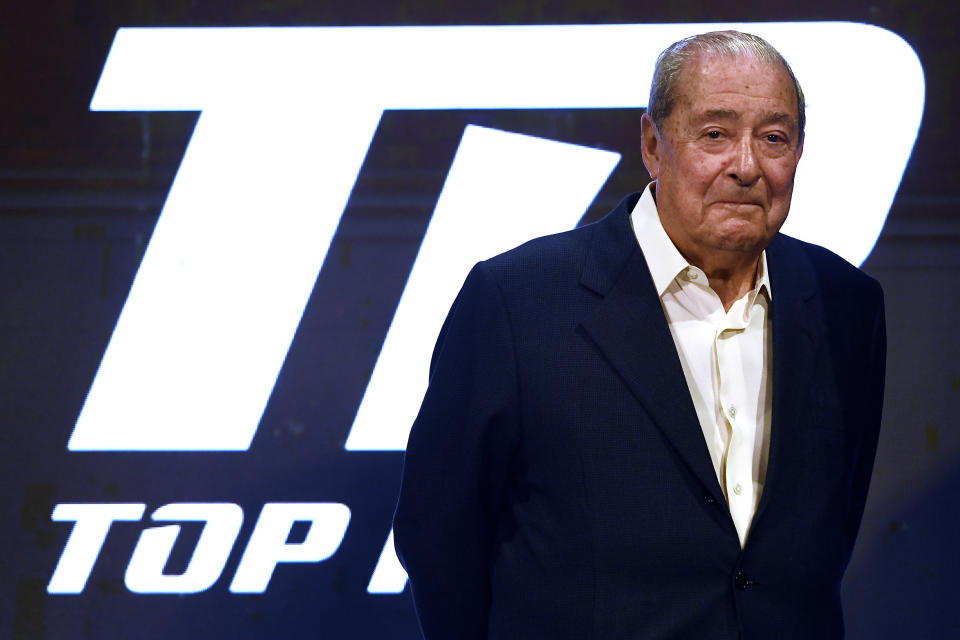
706, 72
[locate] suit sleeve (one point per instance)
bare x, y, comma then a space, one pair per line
456, 468
871, 410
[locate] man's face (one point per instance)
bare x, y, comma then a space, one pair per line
725, 158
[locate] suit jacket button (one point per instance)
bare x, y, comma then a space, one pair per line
741, 580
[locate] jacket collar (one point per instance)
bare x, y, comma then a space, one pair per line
647, 360
799, 333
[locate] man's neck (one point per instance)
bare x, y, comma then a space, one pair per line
732, 287
731, 277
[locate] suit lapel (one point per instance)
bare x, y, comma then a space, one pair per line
795, 343
629, 328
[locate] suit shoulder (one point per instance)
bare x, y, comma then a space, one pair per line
835, 276
557, 254
560, 259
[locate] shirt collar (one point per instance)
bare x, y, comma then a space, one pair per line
763, 279
663, 259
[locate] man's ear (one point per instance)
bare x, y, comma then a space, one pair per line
650, 145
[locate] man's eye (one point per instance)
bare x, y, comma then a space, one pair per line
775, 138
713, 135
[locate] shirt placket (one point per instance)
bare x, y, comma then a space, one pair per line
738, 465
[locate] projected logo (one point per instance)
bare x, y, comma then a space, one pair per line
287, 117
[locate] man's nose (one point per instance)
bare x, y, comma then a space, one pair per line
744, 167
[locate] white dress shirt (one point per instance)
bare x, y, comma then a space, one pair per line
726, 358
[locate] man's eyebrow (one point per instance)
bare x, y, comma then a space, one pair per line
771, 117
718, 114
779, 117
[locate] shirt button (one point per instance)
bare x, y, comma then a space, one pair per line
691, 273
738, 489
732, 411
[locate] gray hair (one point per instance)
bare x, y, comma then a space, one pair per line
724, 44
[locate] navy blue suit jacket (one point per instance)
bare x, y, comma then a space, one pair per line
557, 483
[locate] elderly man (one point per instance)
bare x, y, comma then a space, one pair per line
661, 425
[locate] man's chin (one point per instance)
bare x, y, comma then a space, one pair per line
743, 234
749, 209
743, 243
